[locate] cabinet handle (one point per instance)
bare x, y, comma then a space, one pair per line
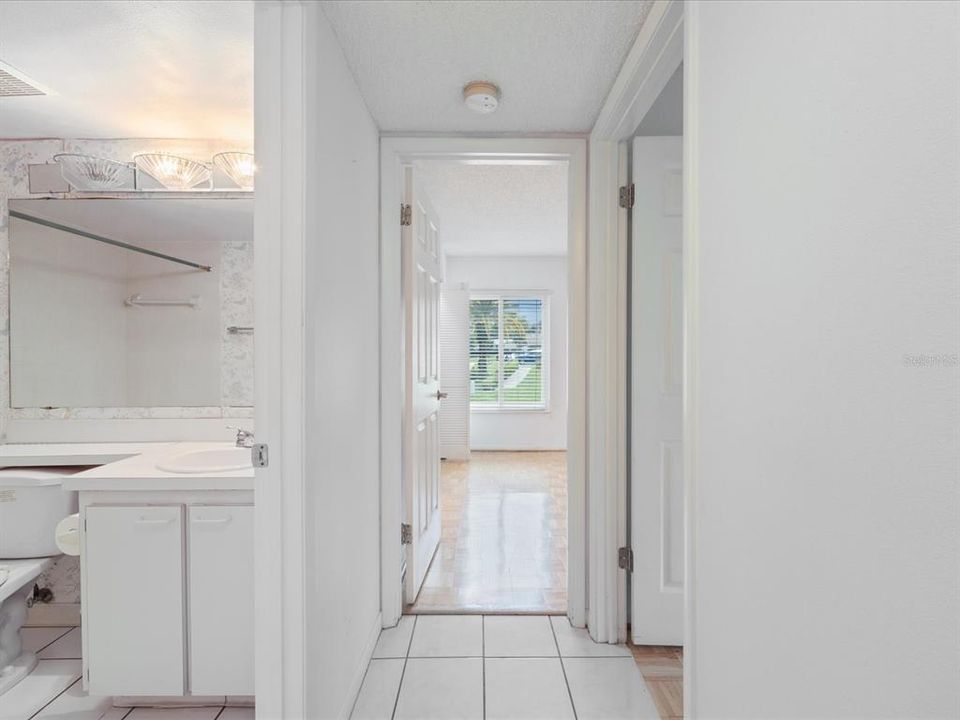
153, 521
211, 521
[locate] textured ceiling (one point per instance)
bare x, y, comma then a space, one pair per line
498, 209
130, 68
554, 61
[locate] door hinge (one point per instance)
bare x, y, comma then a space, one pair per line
406, 215
627, 196
260, 455
406, 534
625, 559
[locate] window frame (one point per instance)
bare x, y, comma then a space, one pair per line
506, 295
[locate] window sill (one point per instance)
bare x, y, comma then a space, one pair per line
542, 410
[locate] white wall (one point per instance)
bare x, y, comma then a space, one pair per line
827, 506
516, 430
341, 271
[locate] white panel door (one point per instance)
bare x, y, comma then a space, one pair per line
657, 393
220, 599
133, 600
422, 275
455, 371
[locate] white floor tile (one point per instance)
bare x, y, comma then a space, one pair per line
66, 648
37, 638
240, 701
75, 704
518, 636
576, 642
378, 694
238, 713
395, 641
447, 636
205, 713
116, 714
609, 689
526, 689
441, 689
48, 679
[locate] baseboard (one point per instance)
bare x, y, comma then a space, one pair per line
361, 670
500, 448
187, 701
169, 701
53, 615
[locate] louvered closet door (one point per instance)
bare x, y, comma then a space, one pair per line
422, 268
455, 372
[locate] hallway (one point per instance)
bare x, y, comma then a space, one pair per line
500, 668
503, 546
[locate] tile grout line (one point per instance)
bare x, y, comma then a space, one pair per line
217, 717
55, 697
483, 663
563, 668
59, 637
406, 657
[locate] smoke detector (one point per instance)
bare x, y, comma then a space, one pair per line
14, 83
481, 96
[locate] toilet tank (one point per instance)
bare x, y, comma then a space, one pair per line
32, 502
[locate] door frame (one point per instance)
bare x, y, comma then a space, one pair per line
396, 152
283, 67
667, 39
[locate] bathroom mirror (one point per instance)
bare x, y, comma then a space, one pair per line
131, 302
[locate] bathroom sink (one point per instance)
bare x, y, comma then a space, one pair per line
211, 460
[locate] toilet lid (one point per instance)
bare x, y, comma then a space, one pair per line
35, 476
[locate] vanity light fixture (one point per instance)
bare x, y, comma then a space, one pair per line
172, 171
238, 166
87, 172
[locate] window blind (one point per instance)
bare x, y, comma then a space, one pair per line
507, 352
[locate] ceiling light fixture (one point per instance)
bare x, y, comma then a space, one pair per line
481, 96
87, 172
172, 171
238, 166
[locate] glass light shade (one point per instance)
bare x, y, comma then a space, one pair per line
87, 172
238, 166
172, 171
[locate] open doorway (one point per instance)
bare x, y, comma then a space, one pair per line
501, 237
656, 487
491, 354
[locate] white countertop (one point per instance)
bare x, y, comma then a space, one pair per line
125, 466
39, 454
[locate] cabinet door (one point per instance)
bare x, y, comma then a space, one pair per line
133, 619
221, 600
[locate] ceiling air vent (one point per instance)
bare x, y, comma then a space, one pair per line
14, 83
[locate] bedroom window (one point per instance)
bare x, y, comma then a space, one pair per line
508, 363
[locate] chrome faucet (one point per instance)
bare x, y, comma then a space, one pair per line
244, 437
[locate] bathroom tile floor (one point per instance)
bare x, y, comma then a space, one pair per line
53, 691
499, 667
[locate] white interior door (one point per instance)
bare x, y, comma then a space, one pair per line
422, 275
656, 482
455, 371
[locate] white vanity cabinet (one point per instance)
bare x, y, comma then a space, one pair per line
133, 609
167, 585
220, 599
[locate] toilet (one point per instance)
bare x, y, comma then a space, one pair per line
32, 502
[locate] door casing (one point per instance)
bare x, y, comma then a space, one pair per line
396, 152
